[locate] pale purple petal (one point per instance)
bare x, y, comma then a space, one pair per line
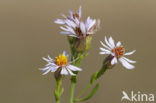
126, 64
105, 45
66, 32
80, 12
59, 21
83, 28
70, 72
118, 44
111, 42
91, 24
46, 72
70, 23
130, 61
74, 68
64, 53
71, 14
105, 50
47, 60
129, 53
63, 16
64, 71
87, 22
68, 29
104, 53
77, 22
108, 43
114, 61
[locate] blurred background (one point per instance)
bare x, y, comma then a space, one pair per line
28, 33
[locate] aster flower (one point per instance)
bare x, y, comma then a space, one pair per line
74, 26
118, 53
60, 64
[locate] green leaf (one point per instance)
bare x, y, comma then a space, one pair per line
93, 78
61, 92
90, 94
56, 95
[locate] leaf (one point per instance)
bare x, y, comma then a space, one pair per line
93, 78
90, 94
61, 92
56, 95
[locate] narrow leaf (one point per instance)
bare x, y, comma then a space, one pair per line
90, 94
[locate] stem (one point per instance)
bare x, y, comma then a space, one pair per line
74, 78
72, 87
57, 91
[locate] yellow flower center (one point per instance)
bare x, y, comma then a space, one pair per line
61, 60
119, 51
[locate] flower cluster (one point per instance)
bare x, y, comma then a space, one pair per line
80, 36
74, 26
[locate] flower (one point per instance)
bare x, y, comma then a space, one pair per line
60, 64
74, 26
118, 53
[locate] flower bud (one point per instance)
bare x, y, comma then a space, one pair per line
80, 44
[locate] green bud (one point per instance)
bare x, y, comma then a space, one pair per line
80, 44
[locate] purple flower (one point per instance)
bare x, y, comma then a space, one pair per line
72, 25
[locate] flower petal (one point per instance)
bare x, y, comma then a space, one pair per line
105, 45
59, 21
105, 50
71, 14
114, 61
46, 71
77, 21
130, 61
130, 53
126, 64
91, 24
118, 44
70, 23
74, 68
68, 29
66, 33
80, 12
47, 60
111, 42
70, 72
64, 16
83, 28
108, 43
64, 71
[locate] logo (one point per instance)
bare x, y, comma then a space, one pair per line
137, 97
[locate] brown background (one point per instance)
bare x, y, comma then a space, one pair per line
27, 33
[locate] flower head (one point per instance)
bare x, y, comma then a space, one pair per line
59, 64
117, 51
74, 26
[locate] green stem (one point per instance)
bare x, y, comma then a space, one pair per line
72, 87
57, 91
74, 78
